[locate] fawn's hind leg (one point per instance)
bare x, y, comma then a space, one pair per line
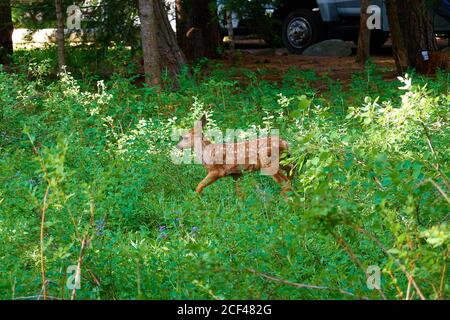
283, 181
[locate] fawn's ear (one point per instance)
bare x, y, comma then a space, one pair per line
203, 120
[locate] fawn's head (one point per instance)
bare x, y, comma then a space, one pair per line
187, 140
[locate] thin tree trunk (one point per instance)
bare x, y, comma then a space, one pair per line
398, 45
60, 34
231, 34
6, 31
363, 51
149, 38
183, 14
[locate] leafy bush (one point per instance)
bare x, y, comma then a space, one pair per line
86, 180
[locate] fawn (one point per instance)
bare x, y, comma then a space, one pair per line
233, 159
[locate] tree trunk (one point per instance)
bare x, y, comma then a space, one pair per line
417, 28
6, 31
149, 38
60, 34
183, 17
198, 31
363, 51
231, 35
398, 44
161, 51
172, 58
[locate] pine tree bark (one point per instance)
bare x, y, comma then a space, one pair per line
159, 43
198, 32
417, 28
60, 35
6, 31
149, 38
398, 44
363, 50
230, 30
172, 57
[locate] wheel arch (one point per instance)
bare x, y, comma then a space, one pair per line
287, 6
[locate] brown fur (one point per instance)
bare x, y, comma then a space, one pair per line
214, 159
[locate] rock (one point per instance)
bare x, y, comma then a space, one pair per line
329, 48
281, 52
261, 52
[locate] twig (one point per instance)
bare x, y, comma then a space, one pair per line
38, 297
94, 278
442, 192
301, 285
383, 248
375, 178
435, 166
380, 186
44, 208
41, 161
13, 289
428, 137
444, 177
408, 290
84, 243
75, 225
92, 209
443, 273
80, 261
353, 256
394, 281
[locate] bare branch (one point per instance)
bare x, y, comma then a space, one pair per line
442, 192
384, 249
301, 285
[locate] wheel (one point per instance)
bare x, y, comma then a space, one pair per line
301, 28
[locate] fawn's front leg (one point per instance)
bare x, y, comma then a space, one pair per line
236, 177
210, 179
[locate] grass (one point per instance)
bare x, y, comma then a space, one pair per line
120, 209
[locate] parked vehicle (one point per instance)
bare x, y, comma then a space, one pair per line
304, 22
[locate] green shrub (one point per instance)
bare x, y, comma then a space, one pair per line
370, 189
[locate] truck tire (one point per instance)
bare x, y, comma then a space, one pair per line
301, 28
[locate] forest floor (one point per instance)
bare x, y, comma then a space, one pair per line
338, 68
90, 178
255, 55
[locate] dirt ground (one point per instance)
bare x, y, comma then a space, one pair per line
255, 55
